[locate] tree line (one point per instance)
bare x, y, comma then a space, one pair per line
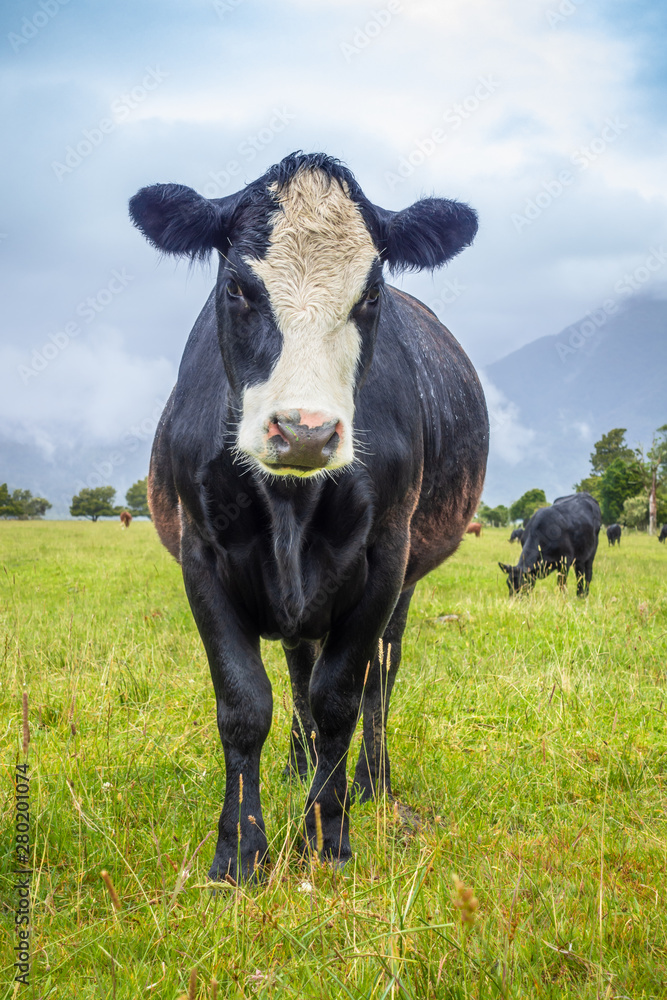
100, 502
21, 504
629, 484
91, 503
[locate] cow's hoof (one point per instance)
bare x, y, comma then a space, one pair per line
365, 789
333, 858
227, 870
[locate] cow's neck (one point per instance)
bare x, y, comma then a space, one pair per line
530, 555
290, 505
306, 560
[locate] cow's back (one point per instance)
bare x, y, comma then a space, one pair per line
569, 527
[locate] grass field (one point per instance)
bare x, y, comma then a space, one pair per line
528, 735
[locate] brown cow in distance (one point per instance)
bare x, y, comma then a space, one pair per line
125, 518
474, 529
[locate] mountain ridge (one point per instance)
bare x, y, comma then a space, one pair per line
558, 394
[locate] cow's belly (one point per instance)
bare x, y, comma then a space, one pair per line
438, 525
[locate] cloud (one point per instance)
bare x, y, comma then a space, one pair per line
510, 441
114, 391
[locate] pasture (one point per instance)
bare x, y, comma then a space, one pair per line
529, 756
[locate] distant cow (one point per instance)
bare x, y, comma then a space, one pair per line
125, 518
555, 538
663, 533
474, 529
324, 449
614, 534
517, 535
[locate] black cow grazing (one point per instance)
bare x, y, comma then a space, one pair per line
663, 533
614, 534
517, 535
323, 449
557, 536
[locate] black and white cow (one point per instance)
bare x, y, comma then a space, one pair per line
517, 535
323, 449
663, 533
555, 537
614, 534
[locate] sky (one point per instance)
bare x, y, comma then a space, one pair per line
547, 116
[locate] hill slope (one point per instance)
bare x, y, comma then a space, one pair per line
553, 398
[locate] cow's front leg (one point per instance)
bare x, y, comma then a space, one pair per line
336, 688
244, 709
584, 574
300, 660
373, 770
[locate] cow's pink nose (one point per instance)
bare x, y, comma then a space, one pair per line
303, 440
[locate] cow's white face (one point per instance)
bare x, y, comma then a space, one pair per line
315, 272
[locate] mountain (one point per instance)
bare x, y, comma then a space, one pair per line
552, 399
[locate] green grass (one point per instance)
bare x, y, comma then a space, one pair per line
528, 735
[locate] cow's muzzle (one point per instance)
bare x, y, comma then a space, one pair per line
302, 441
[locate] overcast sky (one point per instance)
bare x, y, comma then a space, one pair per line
548, 116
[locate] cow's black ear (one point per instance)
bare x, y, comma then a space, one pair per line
427, 234
505, 568
177, 220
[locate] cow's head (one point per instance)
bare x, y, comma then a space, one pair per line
299, 294
519, 581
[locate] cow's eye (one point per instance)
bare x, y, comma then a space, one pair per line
234, 290
373, 294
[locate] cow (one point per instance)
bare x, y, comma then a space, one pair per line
517, 535
323, 449
474, 529
614, 534
125, 518
663, 533
557, 536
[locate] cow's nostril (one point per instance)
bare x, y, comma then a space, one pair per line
300, 445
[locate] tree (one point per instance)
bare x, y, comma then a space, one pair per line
136, 499
589, 485
621, 474
635, 512
657, 470
620, 481
21, 504
608, 449
524, 508
495, 516
7, 506
94, 503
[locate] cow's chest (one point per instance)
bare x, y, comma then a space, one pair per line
298, 592
292, 569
